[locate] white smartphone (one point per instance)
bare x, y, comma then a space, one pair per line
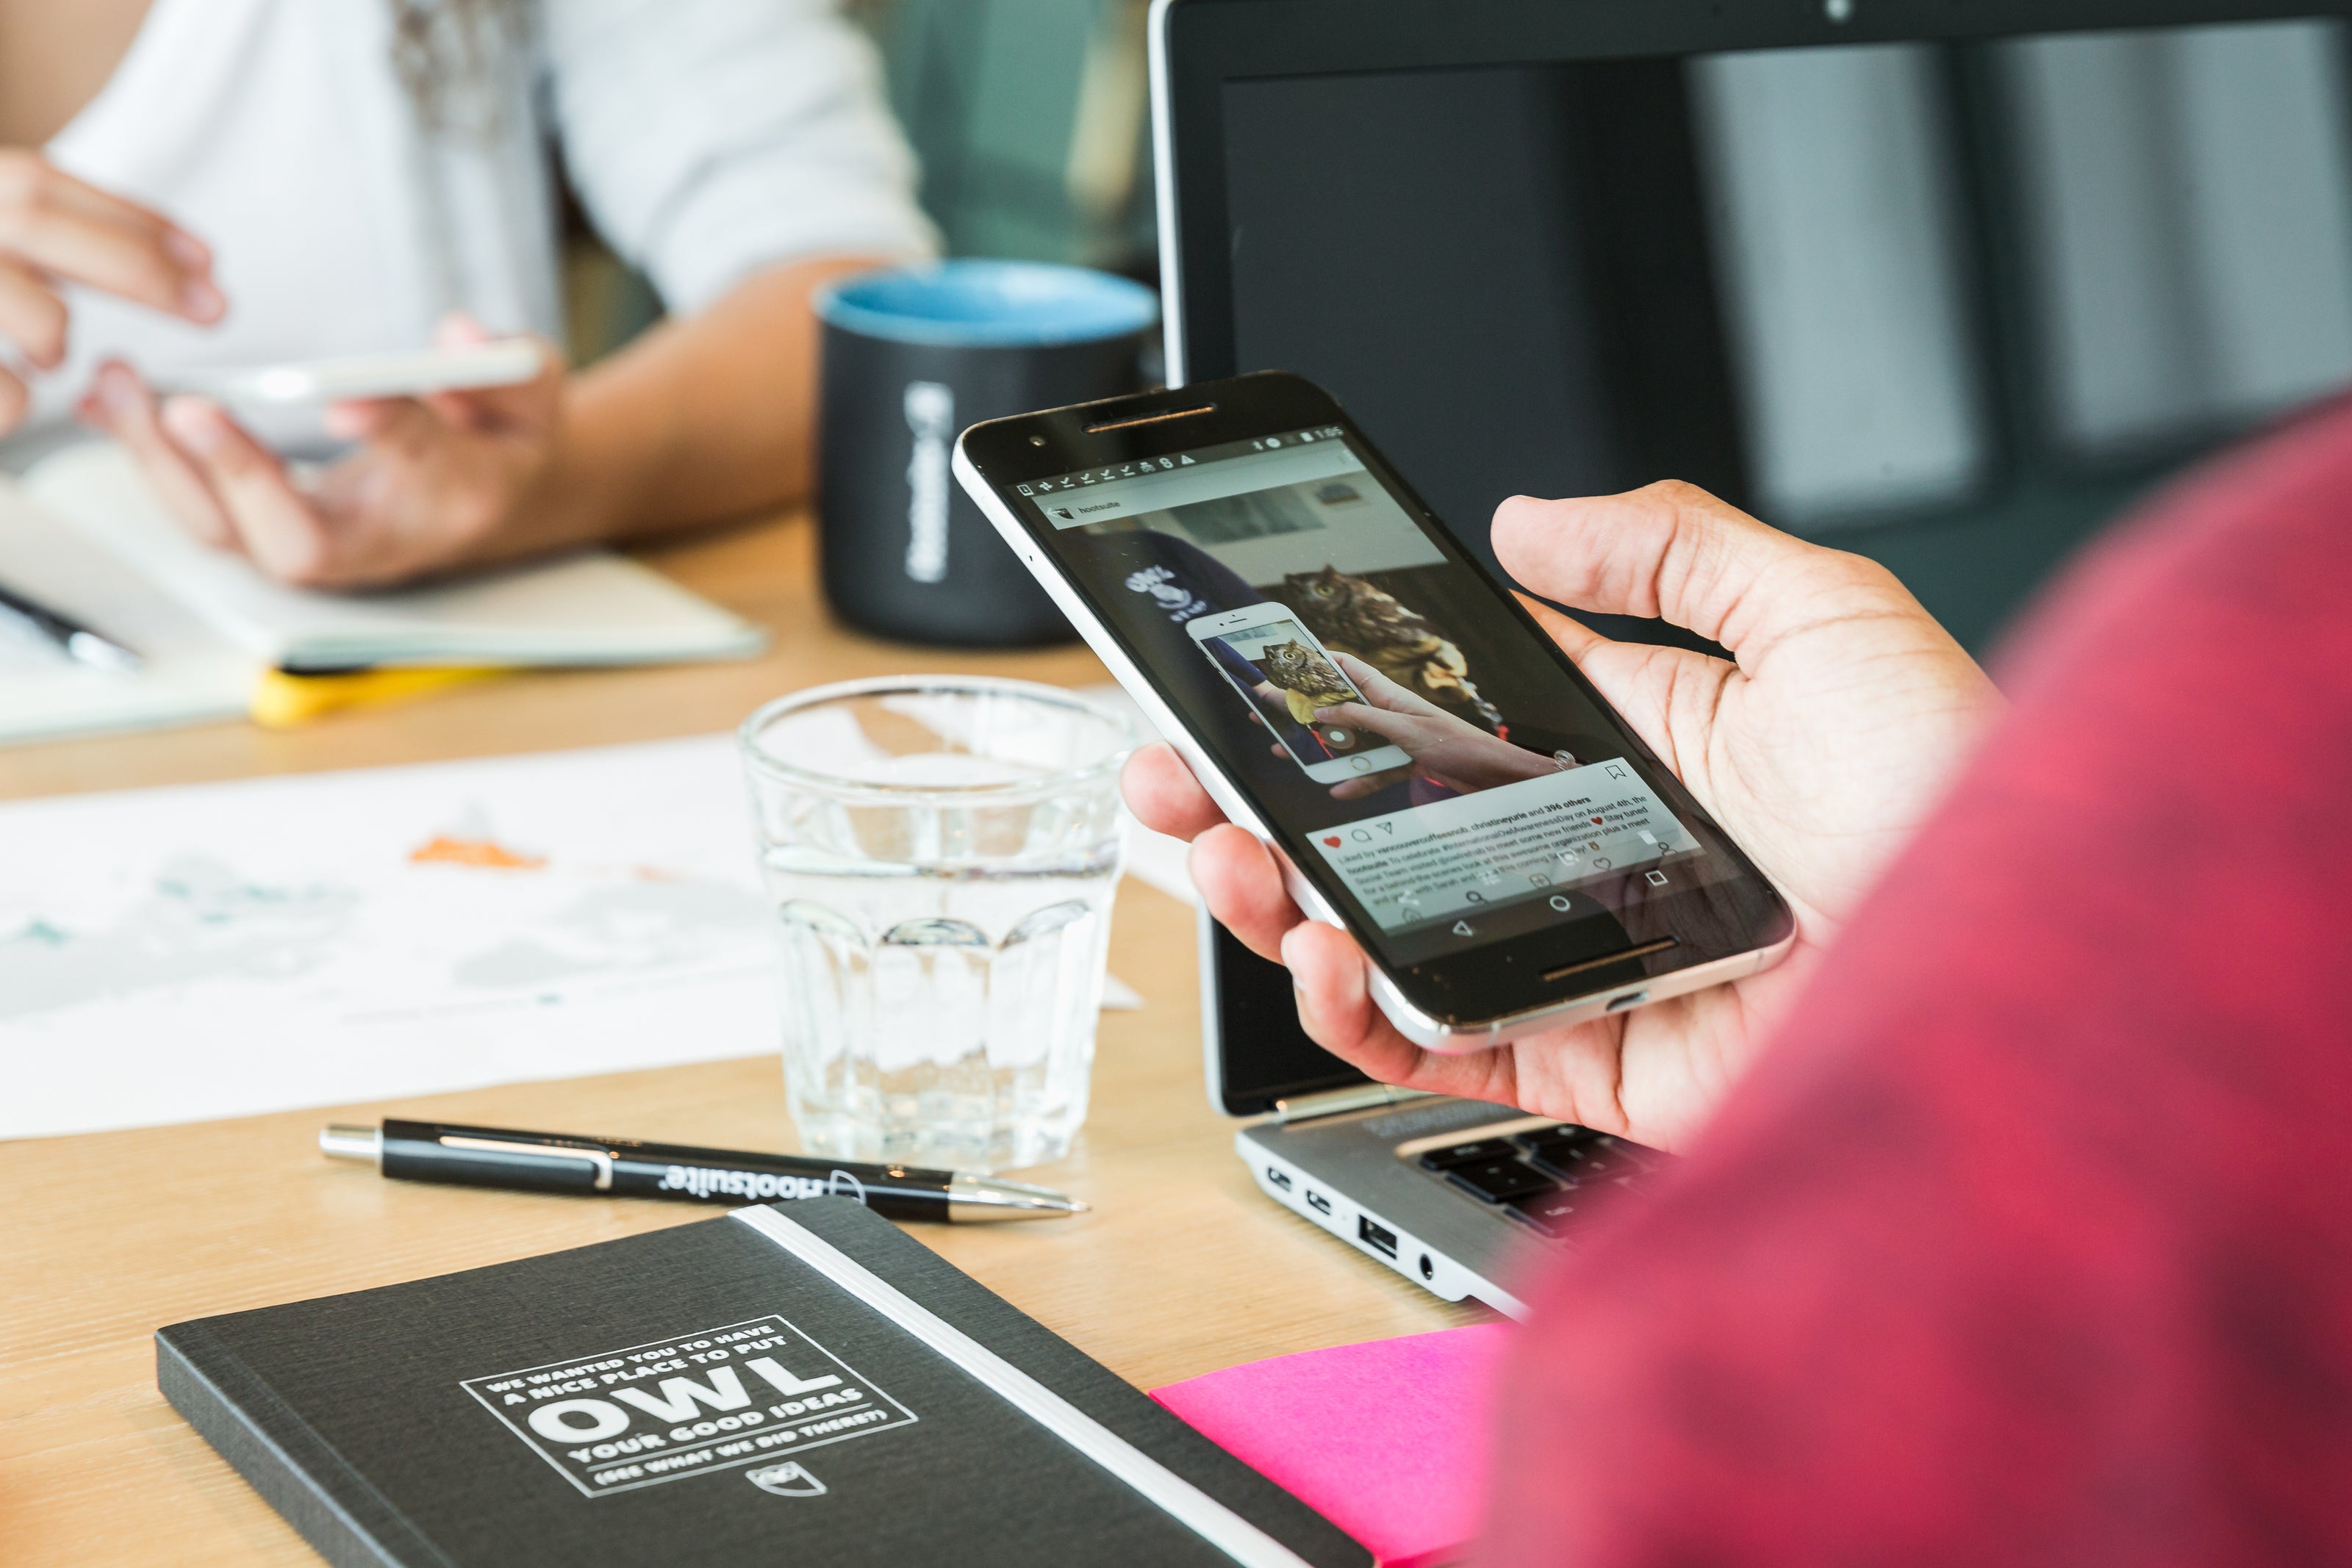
1535, 866
1284, 675
411, 374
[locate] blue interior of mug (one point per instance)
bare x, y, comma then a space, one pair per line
978, 303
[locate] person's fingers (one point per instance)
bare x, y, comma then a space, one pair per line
73, 230
1349, 713
398, 425
1398, 728
1332, 981
14, 397
459, 329
1650, 685
275, 523
1369, 784
1237, 877
1383, 692
1573, 636
25, 175
362, 418
529, 404
198, 295
1673, 552
119, 404
1332, 984
32, 317
1164, 796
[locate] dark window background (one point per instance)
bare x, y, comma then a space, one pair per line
1951, 306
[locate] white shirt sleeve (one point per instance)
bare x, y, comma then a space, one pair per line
710, 139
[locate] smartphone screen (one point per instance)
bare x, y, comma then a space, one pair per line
1498, 807
1291, 685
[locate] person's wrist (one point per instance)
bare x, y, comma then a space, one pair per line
569, 499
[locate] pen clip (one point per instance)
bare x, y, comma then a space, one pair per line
597, 1157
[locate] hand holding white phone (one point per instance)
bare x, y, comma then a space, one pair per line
466, 367
352, 473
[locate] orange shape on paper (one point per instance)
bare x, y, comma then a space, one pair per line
447, 851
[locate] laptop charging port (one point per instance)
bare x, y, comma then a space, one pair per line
1318, 1202
1378, 1238
1280, 1179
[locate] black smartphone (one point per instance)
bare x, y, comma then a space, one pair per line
1434, 775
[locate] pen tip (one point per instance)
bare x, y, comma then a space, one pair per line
338, 1142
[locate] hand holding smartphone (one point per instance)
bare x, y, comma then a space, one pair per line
463, 367
1233, 550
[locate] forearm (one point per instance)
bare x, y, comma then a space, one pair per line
699, 421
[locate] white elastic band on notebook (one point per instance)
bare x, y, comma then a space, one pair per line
1220, 1526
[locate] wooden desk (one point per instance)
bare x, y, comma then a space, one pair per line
1182, 1267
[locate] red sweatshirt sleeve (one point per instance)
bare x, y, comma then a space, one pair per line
2030, 1238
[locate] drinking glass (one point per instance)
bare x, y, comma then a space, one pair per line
941, 853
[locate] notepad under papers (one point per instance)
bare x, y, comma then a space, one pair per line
81, 534
192, 674
587, 608
811, 1387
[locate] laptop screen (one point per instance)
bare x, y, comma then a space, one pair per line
1952, 303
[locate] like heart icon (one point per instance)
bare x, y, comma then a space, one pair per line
1596, 821
1331, 839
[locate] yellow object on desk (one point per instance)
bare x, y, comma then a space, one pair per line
283, 699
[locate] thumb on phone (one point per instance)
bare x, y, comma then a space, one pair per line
1390, 726
525, 406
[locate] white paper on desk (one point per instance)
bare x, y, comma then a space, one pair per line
221, 950
228, 949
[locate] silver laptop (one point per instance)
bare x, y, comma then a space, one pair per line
1443, 1191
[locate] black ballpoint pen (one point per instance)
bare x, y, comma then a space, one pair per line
623, 1168
76, 640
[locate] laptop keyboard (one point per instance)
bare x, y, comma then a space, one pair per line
1546, 1180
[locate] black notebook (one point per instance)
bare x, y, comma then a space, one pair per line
814, 1388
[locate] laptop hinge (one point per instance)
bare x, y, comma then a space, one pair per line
1338, 1102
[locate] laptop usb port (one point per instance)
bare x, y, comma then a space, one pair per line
1318, 1202
1378, 1238
1280, 1179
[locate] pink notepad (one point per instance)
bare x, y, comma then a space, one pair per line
1386, 1440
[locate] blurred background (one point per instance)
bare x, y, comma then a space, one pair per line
1030, 118
1973, 301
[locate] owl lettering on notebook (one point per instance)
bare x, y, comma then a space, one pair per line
1358, 619
1306, 678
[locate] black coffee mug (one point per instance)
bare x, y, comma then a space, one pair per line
912, 356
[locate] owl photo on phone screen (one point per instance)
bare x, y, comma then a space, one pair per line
1306, 678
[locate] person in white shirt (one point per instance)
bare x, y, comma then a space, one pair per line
188, 184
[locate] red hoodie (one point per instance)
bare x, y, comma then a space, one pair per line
2029, 1239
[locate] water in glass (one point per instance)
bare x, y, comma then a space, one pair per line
940, 856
